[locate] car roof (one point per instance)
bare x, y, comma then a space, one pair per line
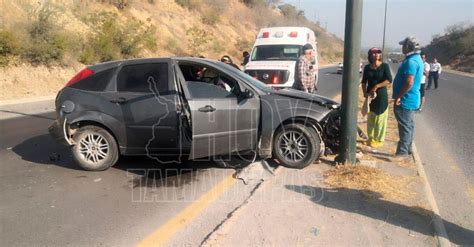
111, 64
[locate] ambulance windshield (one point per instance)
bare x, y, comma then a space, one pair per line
276, 52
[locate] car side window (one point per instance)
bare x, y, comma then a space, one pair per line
208, 83
143, 78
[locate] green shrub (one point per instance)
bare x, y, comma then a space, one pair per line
217, 47
172, 45
9, 46
111, 41
211, 17
47, 52
46, 44
265, 3
120, 4
243, 45
189, 4
197, 39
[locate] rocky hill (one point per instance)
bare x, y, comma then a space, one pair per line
44, 43
455, 48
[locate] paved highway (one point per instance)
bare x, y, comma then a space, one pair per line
444, 137
48, 200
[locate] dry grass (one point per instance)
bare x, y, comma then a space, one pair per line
373, 182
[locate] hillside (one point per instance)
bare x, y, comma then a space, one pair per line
454, 49
43, 43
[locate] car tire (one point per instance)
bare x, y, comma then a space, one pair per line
95, 148
296, 145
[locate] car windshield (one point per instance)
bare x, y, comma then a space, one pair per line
276, 52
256, 83
244, 76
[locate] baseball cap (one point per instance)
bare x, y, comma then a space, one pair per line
374, 50
307, 47
410, 40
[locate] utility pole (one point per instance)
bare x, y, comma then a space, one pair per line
384, 26
350, 81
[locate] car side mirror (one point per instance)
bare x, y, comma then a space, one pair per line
247, 94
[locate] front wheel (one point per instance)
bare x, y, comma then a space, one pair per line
296, 146
95, 148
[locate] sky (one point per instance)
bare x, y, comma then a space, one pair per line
419, 18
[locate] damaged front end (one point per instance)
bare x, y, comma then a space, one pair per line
331, 130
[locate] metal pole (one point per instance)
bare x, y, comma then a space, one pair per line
384, 26
350, 81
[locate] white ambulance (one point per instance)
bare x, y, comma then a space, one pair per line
275, 53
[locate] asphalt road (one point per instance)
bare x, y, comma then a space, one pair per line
444, 137
48, 200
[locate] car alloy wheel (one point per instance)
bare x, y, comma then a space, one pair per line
93, 148
293, 146
296, 145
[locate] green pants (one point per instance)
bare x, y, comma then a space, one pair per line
376, 128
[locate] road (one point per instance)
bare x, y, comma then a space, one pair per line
48, 200
444, 137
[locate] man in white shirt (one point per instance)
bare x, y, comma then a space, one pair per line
435, 71
426, 72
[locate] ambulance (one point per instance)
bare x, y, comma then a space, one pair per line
275, 53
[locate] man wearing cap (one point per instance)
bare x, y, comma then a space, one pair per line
305, 73
406, 95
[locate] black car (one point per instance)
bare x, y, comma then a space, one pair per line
188, 107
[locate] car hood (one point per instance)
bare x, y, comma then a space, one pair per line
296, 94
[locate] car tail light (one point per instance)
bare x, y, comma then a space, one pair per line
266, 34
80, 76
275, 79
293, 34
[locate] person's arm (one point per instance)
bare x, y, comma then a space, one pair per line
439, 71
301, 71
306, 74
364, 83
387, 80
379, 86
426, 69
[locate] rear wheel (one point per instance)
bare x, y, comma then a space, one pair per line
95, 149
296, 145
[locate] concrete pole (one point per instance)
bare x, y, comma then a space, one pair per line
350, 81
384, 28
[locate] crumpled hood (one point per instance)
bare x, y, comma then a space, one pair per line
292, 93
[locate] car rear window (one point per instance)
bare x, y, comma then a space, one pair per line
95, 82
143, 77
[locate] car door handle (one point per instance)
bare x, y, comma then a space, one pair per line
207, 108
119, 100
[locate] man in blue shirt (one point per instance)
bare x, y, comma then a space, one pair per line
406, 93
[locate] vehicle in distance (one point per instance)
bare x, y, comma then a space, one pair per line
188, 107
340, 68
275, 53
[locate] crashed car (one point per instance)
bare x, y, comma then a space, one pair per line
188, 107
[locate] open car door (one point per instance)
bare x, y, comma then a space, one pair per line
222, 120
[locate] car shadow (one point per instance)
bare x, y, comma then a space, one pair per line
44, 150
371, 204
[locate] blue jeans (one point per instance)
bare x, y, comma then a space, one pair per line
406, 128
